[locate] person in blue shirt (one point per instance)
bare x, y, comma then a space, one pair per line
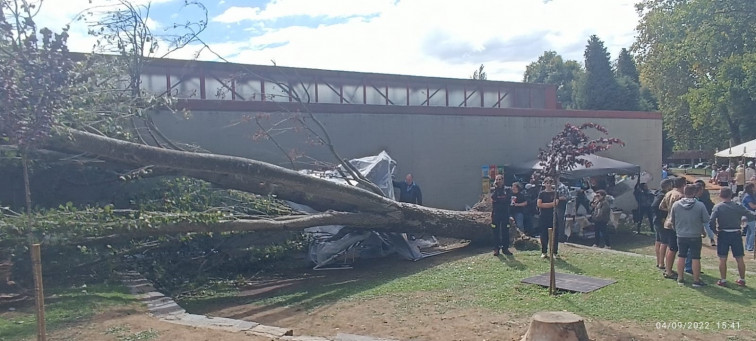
409, 191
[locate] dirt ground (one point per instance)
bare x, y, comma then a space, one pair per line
126, 323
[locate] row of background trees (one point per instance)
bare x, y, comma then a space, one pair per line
693, 60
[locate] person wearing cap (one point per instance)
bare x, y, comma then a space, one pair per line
725, 220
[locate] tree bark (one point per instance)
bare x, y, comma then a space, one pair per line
342, 204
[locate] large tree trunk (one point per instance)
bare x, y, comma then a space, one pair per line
342, 204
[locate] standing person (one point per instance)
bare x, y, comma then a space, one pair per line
723, 177
644, 198
725, 220
750, 172
749, 202
660, 245
519, 204
600, 218
688, 216
740, 178
409, 191
500, 199
704, 197
531, 195
669, 235
546, 202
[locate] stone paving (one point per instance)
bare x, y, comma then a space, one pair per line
166, 309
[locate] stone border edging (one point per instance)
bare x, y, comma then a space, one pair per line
166, 309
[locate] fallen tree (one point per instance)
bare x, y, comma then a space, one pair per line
341, 204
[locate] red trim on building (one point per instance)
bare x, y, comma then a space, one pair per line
333, 108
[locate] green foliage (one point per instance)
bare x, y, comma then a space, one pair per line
695, 56
34, 75
597, 89
551, 69
625, 66
70, 305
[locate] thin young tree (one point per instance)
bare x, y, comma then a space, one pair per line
564, 152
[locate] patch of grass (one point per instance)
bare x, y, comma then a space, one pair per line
640, 294
123, 333
62, 306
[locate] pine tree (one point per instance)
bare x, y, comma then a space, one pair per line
597, 89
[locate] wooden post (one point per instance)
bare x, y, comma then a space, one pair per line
552, 277
36, 255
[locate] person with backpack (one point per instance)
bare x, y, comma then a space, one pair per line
660, 245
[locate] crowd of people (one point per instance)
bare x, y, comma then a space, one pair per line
679, 214
685, 214
531, 209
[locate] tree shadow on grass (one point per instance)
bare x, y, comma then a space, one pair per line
512, 262
310, 289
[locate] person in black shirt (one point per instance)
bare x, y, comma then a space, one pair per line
409, 191
518, 203
644, 198
546, 202
500, 200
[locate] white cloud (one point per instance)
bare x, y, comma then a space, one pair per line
444, 38
420, 37
236, 14
285, 8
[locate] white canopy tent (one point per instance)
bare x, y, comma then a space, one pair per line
747, 149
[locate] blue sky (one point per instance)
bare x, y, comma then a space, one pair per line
443, 38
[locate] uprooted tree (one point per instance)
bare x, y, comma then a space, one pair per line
353, 206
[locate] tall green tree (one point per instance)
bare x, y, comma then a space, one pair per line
628, 96
697, 58
626, 67
550, 68
597, 89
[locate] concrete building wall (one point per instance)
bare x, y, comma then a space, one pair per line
444, 152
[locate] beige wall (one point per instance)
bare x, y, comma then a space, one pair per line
444, 152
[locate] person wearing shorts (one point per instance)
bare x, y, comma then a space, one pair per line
725, 221
660, 245
688, 217
670, 238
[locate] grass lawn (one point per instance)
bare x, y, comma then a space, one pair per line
640, 295
62, 307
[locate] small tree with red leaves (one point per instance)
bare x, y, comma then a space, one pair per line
564, 153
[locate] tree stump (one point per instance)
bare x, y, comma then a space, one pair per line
556, 326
